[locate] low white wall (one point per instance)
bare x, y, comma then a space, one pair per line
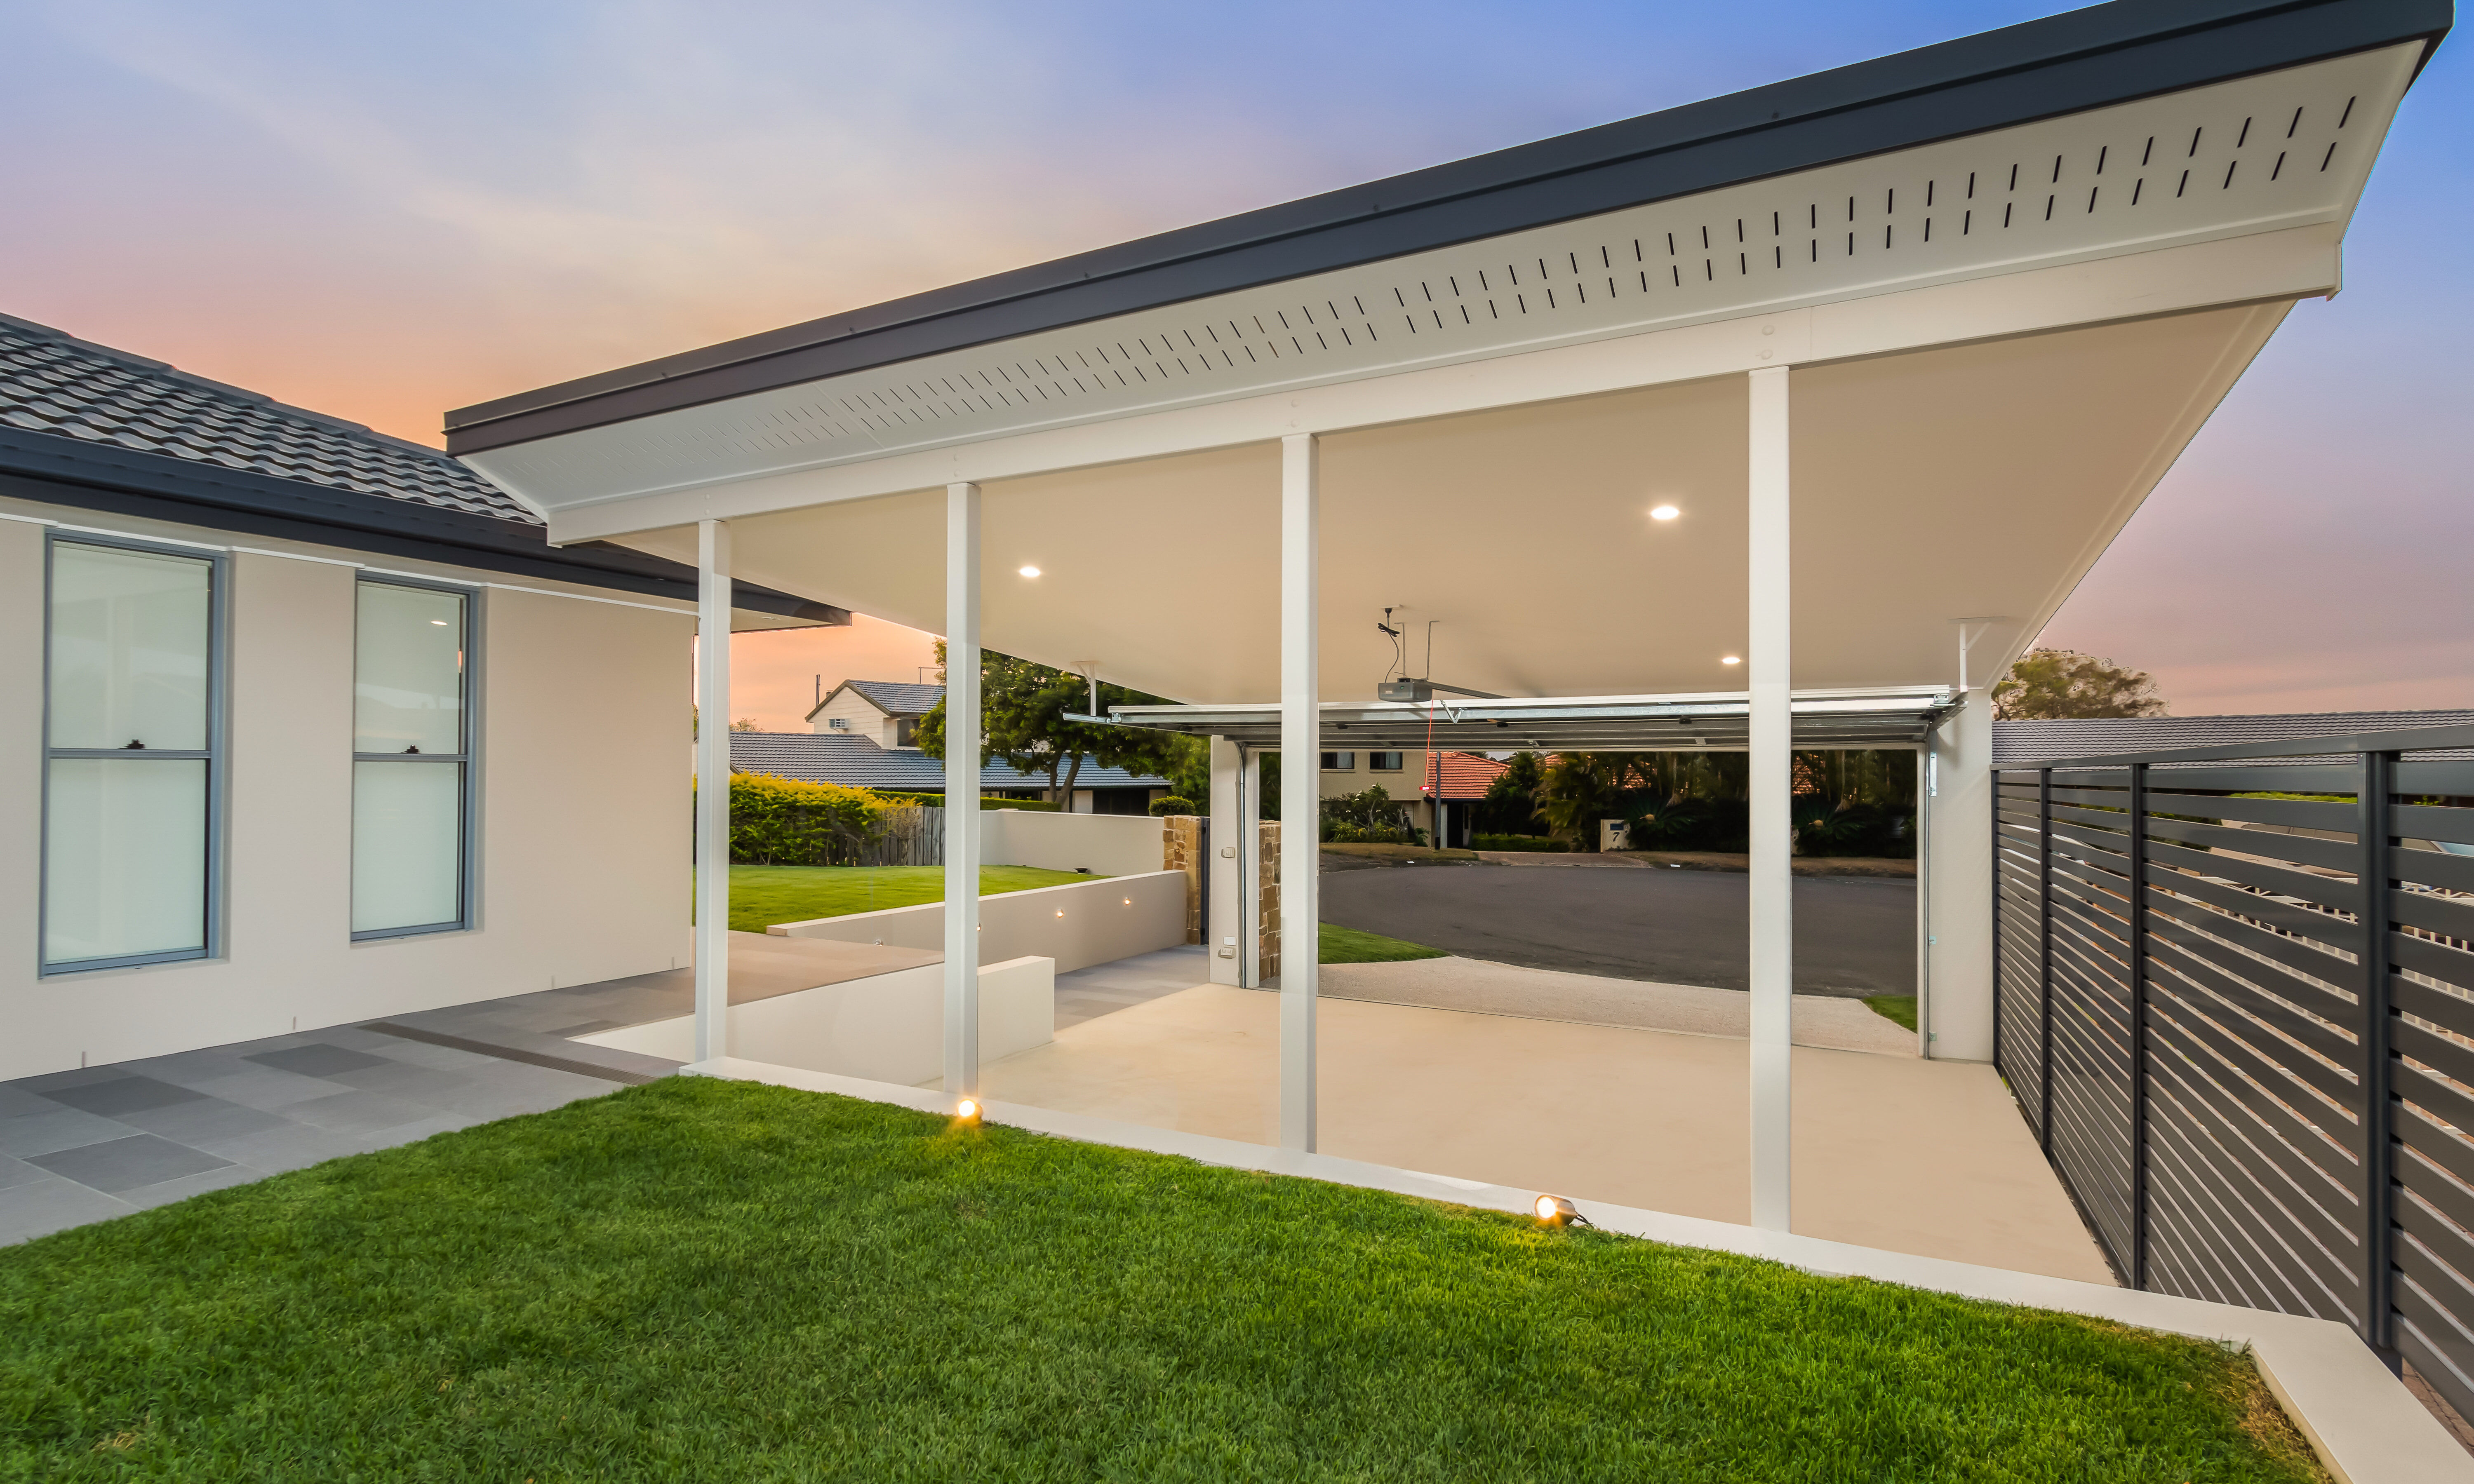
1108, 845
1078, 924
886, 1027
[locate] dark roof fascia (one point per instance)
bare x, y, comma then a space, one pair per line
55, 469
2068, 63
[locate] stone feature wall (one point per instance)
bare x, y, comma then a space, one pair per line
1181, 850
1267, 857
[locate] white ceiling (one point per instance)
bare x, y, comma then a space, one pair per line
1962, 481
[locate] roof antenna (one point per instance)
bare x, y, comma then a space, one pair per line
1399, 656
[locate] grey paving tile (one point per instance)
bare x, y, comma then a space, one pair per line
16, 1100
356, 1112
353, 1038
415, 1132
187, 1066
317, 1058
446, 1059
14, 1171
529, 1090
32, 1134
584, 1028
402, 1079
166, 1192
206, 1118
121, 1095
263, 1087
74, 1077
291, 1147
54, 1205
125, 1164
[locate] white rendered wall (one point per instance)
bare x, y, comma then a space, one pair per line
1079, 924
886, 1027
1958, 886
1108, 845
584, 847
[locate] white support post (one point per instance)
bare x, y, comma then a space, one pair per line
1771, 782
962, 790
1231, 914
1925, 778
1300, 807
1954, 875
713, 791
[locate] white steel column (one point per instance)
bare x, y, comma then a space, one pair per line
1300, 806
713, 791
1955, 874
1770, 784
1231, 914
962, 790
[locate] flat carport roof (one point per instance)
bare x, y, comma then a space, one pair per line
1716, 721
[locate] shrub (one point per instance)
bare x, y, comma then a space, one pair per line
1546, 844
783, 821
1161, 809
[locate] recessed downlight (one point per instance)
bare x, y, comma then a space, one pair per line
1731, 659
1031, 571
1664, 513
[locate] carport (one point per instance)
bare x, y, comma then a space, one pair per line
1786, 416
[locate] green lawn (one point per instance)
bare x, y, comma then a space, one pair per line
1900, 1008
704, 1280
762, 896
1348, 946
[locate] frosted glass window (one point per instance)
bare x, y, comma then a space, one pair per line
125, 862
408, 844
129, 648
408, 670
411, 764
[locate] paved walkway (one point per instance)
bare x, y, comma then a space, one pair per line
101, 1141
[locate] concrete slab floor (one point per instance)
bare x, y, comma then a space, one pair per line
1929, 1158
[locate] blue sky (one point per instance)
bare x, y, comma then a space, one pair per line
383, 211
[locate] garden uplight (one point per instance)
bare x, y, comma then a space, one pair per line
967, 1110
1557, 1211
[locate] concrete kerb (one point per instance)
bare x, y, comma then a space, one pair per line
2364, 1424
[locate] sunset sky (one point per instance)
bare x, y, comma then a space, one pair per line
384, 211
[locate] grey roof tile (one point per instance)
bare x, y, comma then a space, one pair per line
54, 383
900, 698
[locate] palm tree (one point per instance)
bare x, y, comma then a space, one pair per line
1581, 789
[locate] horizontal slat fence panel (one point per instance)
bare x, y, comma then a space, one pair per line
2242, 1028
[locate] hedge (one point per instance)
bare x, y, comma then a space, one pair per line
783, 821
986, 801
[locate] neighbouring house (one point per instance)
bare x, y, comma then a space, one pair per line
886, 711
855, 759
295, 740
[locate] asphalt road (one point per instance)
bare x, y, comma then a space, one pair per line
1853, 935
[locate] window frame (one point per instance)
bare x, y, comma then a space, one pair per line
218, 564
1342, 761
468, 855
1399, 763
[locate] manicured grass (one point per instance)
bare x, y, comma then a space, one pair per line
762, 896
705, 1280
1348, 946
1416, 852
1900, 1008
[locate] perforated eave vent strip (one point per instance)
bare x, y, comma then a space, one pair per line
2263, 152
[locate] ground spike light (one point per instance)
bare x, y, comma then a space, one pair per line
967, 1111
1557, 1211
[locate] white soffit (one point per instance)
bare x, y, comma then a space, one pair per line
2283, 150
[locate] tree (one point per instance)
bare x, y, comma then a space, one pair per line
1022, 719
1579, 789
1511, 803
746, 724
2050, 684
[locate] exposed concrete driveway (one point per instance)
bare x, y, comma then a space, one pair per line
1853, 935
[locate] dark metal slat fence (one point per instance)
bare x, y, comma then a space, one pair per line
2234, 1002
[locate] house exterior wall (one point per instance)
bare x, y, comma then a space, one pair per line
860, 717
1404, 786
580, 869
